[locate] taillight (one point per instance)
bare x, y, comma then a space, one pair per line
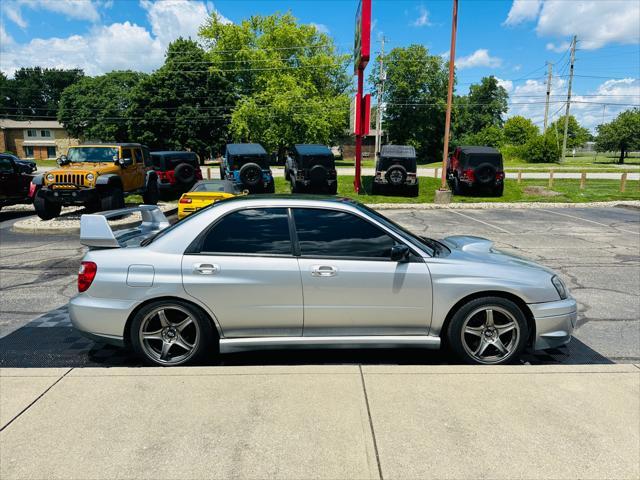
86, 274
185, 200
468, 174
32, 190
499, 175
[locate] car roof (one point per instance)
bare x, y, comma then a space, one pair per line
245, 149
469, 149
290, 200
174, 153
308, 149
108, 144
398, 151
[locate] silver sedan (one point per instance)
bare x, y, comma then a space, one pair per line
285, 272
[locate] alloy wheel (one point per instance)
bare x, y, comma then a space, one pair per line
169, 335
490, 334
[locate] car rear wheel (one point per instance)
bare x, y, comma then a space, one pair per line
151, 194
170, 333
185, 175
45, 209
112, 199
489, 331
396, 175
498, 191
251, 174
271, 187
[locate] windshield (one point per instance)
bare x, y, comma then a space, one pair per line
92, 154
404, 233
214, 186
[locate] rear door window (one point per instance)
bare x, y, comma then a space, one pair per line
6, 165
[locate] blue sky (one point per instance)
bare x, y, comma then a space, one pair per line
509, 39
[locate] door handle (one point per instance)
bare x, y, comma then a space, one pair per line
323, 271
206, 268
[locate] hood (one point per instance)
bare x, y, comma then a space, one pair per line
95, 167
482, 250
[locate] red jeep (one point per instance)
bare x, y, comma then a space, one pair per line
476, 170
177, 171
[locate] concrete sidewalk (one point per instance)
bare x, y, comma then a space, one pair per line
321, 422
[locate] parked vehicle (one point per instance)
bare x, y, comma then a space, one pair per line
96, 176
311, 169
256, 272
337, 152
396, 171
177, 171
204, 193
15, 180
27, 166
247, 165
476, 169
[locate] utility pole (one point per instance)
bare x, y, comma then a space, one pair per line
383, 78
546, 105
566, 115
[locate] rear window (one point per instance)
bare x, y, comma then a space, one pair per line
170, 162
219, 186
476, 159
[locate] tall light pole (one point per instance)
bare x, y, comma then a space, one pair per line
546, 105
447, 123
383, 77
566, 115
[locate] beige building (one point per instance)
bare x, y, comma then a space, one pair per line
34, 139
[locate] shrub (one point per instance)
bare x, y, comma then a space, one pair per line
541, 149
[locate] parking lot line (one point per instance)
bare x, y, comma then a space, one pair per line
587, 220
480, 221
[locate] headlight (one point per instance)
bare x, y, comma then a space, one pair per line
90, 177
51, 177
560, 288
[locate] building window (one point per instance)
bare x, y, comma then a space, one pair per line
51, 152
32, 133
28, 151
45, 133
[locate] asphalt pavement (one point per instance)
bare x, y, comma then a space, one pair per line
596, 250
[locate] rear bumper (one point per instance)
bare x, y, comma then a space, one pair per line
101, 319
555, 322
70, 196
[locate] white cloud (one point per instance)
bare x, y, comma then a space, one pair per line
559, 47
506, 84
321, 27
595, 22
117, 46
5, 38
522, 11
479, 58
75, 9
423, 17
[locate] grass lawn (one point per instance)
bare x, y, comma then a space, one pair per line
46, 163
569, 190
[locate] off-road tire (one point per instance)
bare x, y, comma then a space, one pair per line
498, 191
45, 209
251, 174
394, 179
112, 199
485, 173
270, 188
332, 189
185, 175
151, 194
221, 173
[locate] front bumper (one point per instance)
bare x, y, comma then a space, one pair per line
69, 196
554, 322
101, 319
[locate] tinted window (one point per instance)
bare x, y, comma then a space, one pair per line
137, 154
257, 231
327, 233
5, 165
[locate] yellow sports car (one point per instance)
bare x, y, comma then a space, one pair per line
204, 193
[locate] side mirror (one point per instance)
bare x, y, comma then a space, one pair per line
62, 160
125, 162
399, 253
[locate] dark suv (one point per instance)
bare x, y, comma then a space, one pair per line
311, 169
15, 181
396, 171
177, 171
247, 166
476, 169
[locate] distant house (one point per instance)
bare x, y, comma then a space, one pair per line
34, 139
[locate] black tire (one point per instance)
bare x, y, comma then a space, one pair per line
200, 333
504, 312
45, 209
251, 174
151, 194
498, 191
112, 199
333, 188
185, 175
270, 188
221, 172
93, 206
458, 188
318, 175
485, 173
287, 175
396, 175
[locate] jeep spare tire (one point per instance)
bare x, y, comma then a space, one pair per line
396, 175
251, 174
318, 174
485, 173
185, 174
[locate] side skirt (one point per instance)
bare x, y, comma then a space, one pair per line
228, 345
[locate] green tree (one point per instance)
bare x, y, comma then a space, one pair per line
622, 134
490, 136
182, 105
415, 93
35, 92
290, 83
577, 135
484, 106
519, 130
96, 108
541, 149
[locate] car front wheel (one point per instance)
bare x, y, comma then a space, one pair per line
170, 333
489, 331
45, 209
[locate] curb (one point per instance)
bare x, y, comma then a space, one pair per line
635, 204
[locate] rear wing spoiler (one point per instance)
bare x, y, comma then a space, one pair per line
95, 231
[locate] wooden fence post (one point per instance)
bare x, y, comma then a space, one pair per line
208, 173
435, 173
519, 176
551, 178
583, 180
623, 182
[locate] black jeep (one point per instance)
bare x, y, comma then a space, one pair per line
247, 166
396, 171
476, 169
311, 169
